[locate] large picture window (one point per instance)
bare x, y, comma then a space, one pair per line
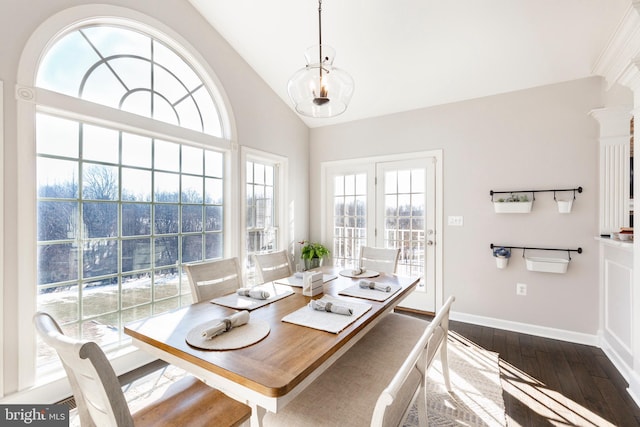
121, 207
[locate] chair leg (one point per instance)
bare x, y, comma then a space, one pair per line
423, 416
445, 364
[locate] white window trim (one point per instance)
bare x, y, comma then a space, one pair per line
281, 165
22, 338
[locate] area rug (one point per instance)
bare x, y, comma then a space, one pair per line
476, 399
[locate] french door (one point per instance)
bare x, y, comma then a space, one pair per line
391, 204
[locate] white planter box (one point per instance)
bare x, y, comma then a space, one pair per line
564, 206
547, 265
512, 207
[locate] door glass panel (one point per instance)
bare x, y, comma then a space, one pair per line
350, 218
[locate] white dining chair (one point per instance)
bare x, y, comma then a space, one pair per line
383, 260
212, 279
377, 380
101, 402
272, 266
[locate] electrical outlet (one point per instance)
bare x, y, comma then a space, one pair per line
521, 289
455, 220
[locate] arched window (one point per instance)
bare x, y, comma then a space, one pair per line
132, 169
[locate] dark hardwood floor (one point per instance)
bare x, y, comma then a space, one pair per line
548, 382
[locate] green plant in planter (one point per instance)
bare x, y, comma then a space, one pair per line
312, 253
514, 198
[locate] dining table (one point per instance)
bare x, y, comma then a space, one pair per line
268, 374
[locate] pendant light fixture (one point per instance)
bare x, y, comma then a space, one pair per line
320, 89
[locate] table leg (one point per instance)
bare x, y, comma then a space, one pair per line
257, 414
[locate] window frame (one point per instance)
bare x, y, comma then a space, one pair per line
281, 171
31, 100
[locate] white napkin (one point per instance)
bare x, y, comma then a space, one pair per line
253, 293
225, 324
322, 305
358, 270
374, 285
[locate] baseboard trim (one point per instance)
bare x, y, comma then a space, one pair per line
525, 328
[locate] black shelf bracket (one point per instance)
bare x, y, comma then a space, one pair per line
524, 249
533, 192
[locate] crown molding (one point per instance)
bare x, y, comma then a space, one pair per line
623, 48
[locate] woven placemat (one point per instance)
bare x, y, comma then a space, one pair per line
241, 336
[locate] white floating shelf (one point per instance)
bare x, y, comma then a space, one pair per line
547, 265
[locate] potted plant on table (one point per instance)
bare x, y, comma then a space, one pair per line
312, 254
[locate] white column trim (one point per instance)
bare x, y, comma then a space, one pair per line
3, 299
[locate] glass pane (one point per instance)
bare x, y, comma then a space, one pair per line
61, 302
417, 204
166, 219
166, 251
136, 185
58, 221
192, 159
191, 219
136, 150
164, 111
134, 72
213, 191
210, 115
192, 248
404, 181
191, 189
137, 103
167, 187
57, 263
338, 185
55, 73
170, 60
350, 184
99, 182
168, 85
167, 156
268, 175
136, 289
391, 205
418, 180
361, 205
404, 205
136, 219
213, 218
57, 178
100, 258
166, 284
361, 184
100, 297
99, 144
390, 182
213, 245
213, 163
115, 40
258, 176
100, 219
103, 87
136, 254
56, 136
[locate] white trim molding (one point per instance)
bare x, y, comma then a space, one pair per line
2, 235
527, 328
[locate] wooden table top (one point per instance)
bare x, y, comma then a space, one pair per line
276, 364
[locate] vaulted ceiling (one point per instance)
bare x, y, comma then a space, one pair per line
409, 54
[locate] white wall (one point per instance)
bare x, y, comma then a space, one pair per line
542, 138
262, 121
